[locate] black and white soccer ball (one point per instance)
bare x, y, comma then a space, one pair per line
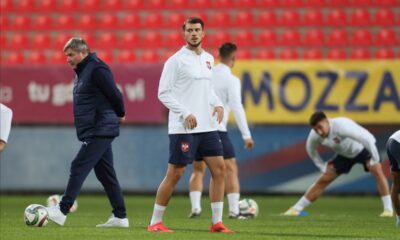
36, 215
248, 208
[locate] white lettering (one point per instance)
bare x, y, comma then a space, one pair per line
136, 91
62, 93
38, 93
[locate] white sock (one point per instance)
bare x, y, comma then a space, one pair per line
387, 202
216, 209
301, 204
158, 214
195, 198
233, 200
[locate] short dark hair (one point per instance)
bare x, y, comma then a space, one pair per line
193, 20
226, 49
317, 117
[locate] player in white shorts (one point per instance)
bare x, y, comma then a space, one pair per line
393, 151
352, 144
5, 125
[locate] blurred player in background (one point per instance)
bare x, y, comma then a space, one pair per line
194, 113
98, 111
5, 125
352, 144
393, 151
227, 88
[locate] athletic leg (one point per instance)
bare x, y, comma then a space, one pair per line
383, 188
196, 188
232, 186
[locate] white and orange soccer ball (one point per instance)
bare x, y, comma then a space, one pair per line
248, 207
36, 215
55, 199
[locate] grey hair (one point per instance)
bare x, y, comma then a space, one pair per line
77, 44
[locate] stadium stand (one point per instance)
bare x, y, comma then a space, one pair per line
150, 30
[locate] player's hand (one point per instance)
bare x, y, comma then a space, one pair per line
248, 143
122, 119
220, 113
191, 121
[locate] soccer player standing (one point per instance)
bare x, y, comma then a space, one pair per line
194, 113
5, 125
352, 144
393, 151
227, 88
98, 110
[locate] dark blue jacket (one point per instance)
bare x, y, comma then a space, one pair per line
97, 101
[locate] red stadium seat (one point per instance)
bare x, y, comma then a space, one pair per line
152, 39
4, 23
314, 38
108, 21
87, 21
313, 18
174, 40
386, 37
43, 22
337, 17
384, 53
107, 40
21, 23
201, 15
41, 41
46, 5
218, 38
360, 53
267, 18
3, 42
67, 5
361, 3
130, 21
155, 4
36, 57
58, 57
336, 54
244, 38
337, 3
178, 4
89, 38
290, 38
90, 5
19, 41
288, 54
65, 21
387, 3
112, 5
337, 37
384, 17
361, 37
244, 19
134, 4
268, 3
175, 20
126, 56
313, 53
265, 54
267, 38
6, 5
226, 4
153, 20
292, 3
243, 54
129, 40
14, 58
106, 56
60, 41
315, 3
290, 18
201, 4
168, 54
247, 3
25, 6
220, 19
360, 17
150, 56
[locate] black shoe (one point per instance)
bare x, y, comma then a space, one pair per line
194, 215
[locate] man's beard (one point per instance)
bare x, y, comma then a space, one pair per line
193, 45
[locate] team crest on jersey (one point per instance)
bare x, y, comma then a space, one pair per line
336, 140
185, 146
208, 65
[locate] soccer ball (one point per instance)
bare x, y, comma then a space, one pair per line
36, 215
248, 207
55, 199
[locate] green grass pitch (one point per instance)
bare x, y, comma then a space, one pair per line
330, 218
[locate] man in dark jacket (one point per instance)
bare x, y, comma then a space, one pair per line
98, 110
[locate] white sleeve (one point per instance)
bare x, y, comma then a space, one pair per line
5, 122
354, 131
165, 95
311, 147
235, 103
215, 101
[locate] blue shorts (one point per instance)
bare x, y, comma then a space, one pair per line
184, 148
229, 151
393, 152
344, 164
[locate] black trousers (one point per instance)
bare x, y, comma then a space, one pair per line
95, 153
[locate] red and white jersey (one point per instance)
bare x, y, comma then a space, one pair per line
5, 122
346, 138
185, 88
227, 87
396, 136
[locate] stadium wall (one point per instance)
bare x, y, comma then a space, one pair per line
37, 159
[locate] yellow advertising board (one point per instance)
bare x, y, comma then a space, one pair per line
290, 91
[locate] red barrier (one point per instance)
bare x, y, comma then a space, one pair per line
43, 94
